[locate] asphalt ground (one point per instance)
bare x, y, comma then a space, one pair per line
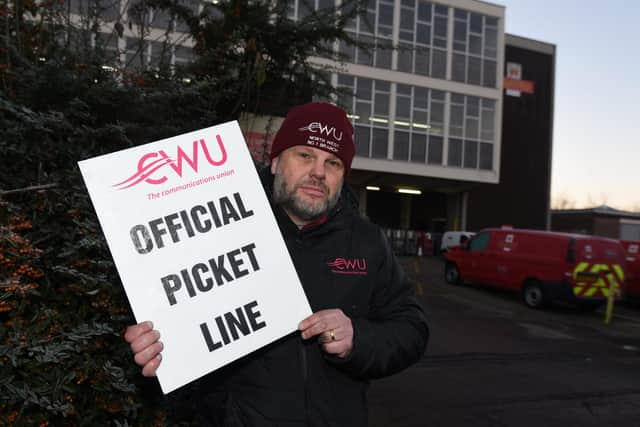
492, 361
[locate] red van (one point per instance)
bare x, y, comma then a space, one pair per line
632, 281
542, 265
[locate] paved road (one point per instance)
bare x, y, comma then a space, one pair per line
493, 362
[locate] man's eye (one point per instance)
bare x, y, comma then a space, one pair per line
305, 155
336, 164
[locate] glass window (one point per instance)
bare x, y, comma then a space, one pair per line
381, 106
456, 98
367, 22
437, 112
380, 143
403, 107
455, 152
440, 29
475, 44
473, 106
363, 111
471, 128
441, 10
362, 141
475, 25
480, 242
348, 51
474, 71
385, 14
470, 154
424, 11
345, 80
422, 61
401, 146
435, 150
460, 31
460, 14
458, 68
487, 124
418, 147
406, 35
486, 156
405, 58
383, 54
363, 88
365, 54
404, 89
439, 64
406, 19
457, 115
421, 98
420, 117
382, 86
423, 34
489, 74
491, 38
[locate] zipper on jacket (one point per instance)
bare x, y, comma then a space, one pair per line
304, 365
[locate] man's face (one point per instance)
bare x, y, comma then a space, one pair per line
307, 182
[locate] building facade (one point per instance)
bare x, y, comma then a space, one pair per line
598, 221
439, 145
427, 115
522, 197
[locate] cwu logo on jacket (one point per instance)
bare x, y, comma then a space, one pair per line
348, 266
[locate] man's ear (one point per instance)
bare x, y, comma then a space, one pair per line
274, 164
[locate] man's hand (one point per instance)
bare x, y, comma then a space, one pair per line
333, 329
145, 346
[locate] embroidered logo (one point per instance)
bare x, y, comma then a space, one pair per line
317, 127
348, 266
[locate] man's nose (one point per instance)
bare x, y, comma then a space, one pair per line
318, 169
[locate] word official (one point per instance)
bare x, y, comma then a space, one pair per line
214, 269
200, 219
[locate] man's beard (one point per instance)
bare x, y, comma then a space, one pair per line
290, 201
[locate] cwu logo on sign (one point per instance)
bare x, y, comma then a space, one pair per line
153, 167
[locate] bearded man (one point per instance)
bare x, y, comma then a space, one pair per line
366, 322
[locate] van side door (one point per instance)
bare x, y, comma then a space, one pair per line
478, 267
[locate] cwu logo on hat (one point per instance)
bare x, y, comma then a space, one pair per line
317, 127
348, 266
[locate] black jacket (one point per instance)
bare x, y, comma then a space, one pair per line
343, 263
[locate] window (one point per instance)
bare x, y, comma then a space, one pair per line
480, 242
475, 48
423, 38
471, 132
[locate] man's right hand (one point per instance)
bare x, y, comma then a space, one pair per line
145, 344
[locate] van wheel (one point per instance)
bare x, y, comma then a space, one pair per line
452, 274
533, 294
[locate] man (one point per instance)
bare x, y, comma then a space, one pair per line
366, 322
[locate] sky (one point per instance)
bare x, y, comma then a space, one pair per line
596, 138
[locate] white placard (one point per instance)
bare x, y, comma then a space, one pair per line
197, 248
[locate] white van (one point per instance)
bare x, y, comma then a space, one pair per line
454, 238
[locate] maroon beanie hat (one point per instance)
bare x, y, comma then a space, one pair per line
318, 125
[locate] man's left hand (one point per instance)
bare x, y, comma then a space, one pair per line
333, 329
